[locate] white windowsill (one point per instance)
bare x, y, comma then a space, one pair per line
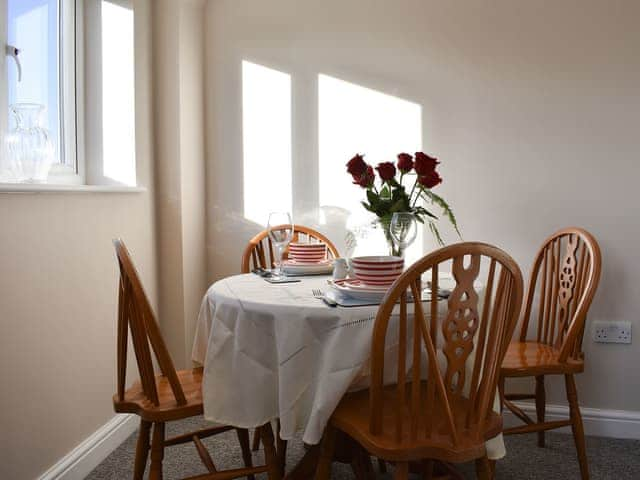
53, 188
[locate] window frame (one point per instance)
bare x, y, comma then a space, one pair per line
80, 92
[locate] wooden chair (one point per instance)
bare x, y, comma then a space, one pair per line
173, 395
424, 418
259, 252
565, 277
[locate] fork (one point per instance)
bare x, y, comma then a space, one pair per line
317, 293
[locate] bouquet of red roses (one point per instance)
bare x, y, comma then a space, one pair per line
390, 196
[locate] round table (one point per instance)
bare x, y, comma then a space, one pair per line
273, 351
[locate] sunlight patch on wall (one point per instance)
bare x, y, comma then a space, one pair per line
118, 94
266, 124
356, 119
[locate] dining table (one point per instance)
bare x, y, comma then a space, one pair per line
275, 352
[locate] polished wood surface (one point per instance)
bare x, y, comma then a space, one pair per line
436, 418
259, 252
172, 395
563, 282
528, 359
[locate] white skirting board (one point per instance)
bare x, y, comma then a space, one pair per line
597, 422
80, 461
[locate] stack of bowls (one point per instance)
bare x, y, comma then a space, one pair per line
377, 271
308, 252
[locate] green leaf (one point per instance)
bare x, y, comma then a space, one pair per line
425, 212
446, 209
385, 192
436, 233
401, 200
374, 199
367, 206
398, 206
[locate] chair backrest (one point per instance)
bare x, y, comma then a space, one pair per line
260, 253
135, 314
565, 276
481, 325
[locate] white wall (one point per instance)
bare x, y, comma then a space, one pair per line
533, 108
180, 188
58, 297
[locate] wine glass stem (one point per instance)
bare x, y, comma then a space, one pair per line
279, 252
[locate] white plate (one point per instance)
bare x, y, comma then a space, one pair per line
369, 294
356, 284
314, 263
298, 268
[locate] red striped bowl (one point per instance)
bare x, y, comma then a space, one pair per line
308, 252
377, 271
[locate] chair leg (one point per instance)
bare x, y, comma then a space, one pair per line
270, 454
401, 471
323, 471
243, 440
483, 469
361, 463
157, 452
255, 444
142, 450
576, 425
281, 449
540, 406
427, 469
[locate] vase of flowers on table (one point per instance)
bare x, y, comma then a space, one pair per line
387, 193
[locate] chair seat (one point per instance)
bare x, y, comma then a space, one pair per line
352, 416
167, 410
524, 359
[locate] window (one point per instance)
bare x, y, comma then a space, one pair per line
47, 62
76, 58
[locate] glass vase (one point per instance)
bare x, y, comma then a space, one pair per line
394, 249
29, 146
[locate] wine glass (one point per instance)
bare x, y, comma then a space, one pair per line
280, 228
403, 230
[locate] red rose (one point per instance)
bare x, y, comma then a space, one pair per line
366, 179
357, 166
386, 170
425, 164
430, 180
405, 162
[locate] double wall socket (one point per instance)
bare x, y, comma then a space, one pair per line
612, 332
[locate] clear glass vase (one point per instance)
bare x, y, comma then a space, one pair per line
29, 147
394, 249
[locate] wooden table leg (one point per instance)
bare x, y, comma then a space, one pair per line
306, 467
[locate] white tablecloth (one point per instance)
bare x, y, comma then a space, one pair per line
274, 351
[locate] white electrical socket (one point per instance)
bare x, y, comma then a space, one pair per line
612, 332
